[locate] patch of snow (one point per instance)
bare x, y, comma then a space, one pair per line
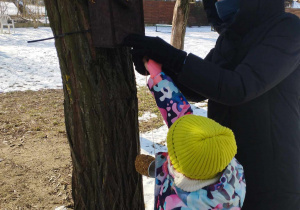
26, 66
61, 208
147, 116
296, 4
35, 66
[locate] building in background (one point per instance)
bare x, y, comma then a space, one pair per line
161, 12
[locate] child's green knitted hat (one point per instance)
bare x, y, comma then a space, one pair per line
199, 147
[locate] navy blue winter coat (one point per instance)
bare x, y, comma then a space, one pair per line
252, 81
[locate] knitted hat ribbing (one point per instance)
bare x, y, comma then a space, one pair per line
199, 147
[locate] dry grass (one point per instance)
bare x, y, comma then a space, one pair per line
147, 104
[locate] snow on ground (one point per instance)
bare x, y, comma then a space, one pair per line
296, 5
35, 66
26, 66
147, 116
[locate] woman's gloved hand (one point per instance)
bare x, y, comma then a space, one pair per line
156, 49
142, 164
138, 61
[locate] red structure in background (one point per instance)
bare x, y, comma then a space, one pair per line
161, 12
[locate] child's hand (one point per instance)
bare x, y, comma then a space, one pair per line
152, 67
142, 163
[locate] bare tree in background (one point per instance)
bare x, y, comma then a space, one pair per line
30, 9
101, 113
19, 5
3, 7
179, 23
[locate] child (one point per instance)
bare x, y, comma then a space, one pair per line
199, 170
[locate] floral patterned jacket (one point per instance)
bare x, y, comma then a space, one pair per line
227, 191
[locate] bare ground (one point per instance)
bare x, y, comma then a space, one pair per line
35, 167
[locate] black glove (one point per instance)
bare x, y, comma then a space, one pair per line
138, 62
156, 49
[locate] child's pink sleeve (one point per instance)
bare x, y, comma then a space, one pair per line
170, 101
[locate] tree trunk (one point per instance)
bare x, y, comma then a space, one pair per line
19, 6
180, 17
100, 113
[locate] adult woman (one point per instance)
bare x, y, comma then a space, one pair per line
252, 81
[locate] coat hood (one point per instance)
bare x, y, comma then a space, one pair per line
251, 13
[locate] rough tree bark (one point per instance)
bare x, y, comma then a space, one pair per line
100, 113
180, 17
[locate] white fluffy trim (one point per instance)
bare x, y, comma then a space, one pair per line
190, 185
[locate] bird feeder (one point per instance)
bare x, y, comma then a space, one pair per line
113, 20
